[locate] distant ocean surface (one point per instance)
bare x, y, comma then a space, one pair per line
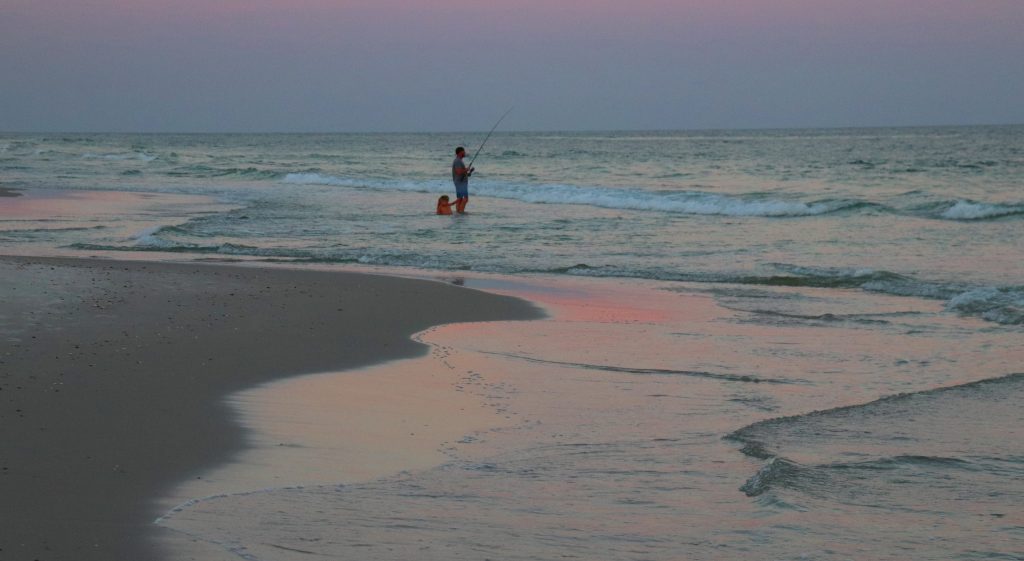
930, 212
853, 390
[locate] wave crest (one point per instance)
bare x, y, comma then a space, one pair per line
843, 448
119, 157
1001, 305
688, 202
968, 210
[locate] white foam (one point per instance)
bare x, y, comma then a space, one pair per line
625, 199
1001, 305
319, 179
147, 238
966, 210
120, 157
974, 298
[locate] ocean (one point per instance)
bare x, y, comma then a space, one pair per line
928, 212
849, 388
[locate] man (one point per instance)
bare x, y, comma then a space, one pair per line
460, 176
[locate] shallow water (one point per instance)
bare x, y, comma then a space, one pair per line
930, 212
635, 423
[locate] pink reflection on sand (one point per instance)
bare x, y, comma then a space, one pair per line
349, 427
608, 416
98, 217
38, 204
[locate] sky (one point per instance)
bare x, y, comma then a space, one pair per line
456, 65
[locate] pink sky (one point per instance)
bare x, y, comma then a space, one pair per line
731, 62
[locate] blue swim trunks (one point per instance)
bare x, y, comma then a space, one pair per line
461, 181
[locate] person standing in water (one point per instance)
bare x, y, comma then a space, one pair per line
460, 176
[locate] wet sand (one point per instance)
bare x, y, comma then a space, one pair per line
113, 377
603, 432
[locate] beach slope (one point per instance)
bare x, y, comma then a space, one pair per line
112, 378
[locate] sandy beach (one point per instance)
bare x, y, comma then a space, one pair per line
614, 429
114, 376
164, 411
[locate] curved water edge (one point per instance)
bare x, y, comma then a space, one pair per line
743, 434
998, 304
883, 436
746, 378
614, 445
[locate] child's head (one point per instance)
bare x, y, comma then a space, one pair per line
443, 206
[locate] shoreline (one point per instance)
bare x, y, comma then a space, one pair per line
577, 424
117, 374
516, 440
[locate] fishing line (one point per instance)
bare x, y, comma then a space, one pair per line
477, 153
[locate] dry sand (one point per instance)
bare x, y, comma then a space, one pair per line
113, 377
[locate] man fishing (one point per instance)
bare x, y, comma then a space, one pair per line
461, 172
460, 176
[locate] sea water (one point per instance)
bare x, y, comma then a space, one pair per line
929, 212
848, 387
645, 421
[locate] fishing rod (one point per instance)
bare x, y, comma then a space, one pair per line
477, 153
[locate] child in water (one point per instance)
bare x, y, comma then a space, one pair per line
443, 206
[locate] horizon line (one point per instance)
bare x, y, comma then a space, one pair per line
531, 131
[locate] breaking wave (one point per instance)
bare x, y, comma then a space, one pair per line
1001, 305
679, 202
774, 470
967, 210
203, 171
119, 157
688, 202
